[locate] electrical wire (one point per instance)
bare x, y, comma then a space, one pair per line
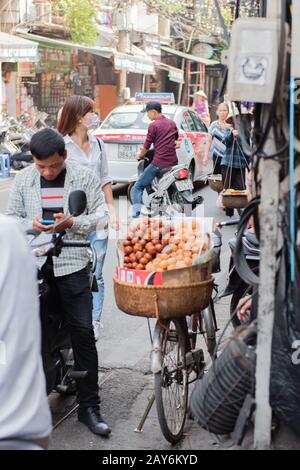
292, 180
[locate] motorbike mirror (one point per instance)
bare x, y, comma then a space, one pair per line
77, 202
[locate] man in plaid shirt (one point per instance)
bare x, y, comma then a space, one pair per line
39, 192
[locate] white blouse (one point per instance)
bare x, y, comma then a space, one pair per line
96, 161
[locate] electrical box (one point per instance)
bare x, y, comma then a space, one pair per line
295, 38
253, 60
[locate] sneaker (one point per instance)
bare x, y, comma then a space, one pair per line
92, 418
97, 325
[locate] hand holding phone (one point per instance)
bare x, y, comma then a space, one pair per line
39, 224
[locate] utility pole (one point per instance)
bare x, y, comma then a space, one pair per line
269, 169
122, 77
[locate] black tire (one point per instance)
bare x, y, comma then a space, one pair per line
192, 170
171, 383
238, 294
210, 330
130, 192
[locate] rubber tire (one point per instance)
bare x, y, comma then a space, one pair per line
210, 331
192, 170
169, 436
238, 294
130, 193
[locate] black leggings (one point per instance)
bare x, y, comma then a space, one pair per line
233, 178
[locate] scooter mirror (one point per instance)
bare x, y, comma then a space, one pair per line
77, 203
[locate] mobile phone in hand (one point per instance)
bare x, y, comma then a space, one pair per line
46, 222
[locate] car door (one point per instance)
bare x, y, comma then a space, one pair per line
193, 136
200, 138
186, 154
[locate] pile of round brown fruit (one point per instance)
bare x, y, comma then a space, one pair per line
157, 246
145, 240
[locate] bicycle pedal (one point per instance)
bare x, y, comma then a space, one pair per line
194, 357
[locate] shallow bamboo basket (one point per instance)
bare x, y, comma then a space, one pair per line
235, 201
215, 183
163, 302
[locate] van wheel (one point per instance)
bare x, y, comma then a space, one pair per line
130, 192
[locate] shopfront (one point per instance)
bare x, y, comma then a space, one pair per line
64, 69
17, 55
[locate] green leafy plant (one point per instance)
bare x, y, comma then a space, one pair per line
79, 16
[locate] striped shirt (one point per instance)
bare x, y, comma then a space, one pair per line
52, 195
25, 205
217, 134
234, 156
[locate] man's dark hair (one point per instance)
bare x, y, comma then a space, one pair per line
153, 105
45, 143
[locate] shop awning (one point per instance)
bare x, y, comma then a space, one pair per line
106, 52
175, 74
192, 58
16, 49
134, 64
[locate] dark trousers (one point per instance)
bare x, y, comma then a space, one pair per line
233, 178
217, 165
76, 302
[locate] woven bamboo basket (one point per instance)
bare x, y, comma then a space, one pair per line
163, 302
215, 183
234, 201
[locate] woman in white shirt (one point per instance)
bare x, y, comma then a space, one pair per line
76, 119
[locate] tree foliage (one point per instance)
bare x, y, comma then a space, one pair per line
79, 16
201, 14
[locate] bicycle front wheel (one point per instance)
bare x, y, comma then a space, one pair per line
171, 383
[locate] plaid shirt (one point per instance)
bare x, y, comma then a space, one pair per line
234, 156
25, 205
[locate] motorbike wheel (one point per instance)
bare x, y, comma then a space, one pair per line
238, 294
180, 204
130, 192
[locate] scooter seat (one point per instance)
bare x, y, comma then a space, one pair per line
164, 171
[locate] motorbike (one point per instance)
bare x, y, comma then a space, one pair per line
170, 192
57, 355
15, 138
236, 286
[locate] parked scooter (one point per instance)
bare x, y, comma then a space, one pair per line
57, 352
170, 192
236, 286
15, 138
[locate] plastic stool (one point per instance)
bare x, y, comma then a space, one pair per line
5, 165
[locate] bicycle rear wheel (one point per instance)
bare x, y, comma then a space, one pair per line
209, 333
171, 383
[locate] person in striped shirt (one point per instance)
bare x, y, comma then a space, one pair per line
42, 191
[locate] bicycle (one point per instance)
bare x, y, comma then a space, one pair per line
176, 363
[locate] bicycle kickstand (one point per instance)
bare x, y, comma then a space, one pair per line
140, 426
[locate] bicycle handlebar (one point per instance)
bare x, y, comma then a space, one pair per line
75, 244
228, 223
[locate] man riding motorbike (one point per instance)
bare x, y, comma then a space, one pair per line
163, 134
39, 200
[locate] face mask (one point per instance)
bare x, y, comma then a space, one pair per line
94, 122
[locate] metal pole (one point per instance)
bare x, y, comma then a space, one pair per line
183, 66
270, 170
122, 77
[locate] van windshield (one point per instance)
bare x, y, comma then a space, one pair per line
130, 120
